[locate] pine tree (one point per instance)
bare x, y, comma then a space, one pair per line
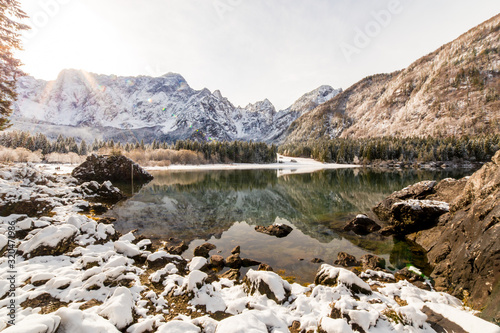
10, 13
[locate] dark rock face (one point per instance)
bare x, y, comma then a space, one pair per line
217, 262
234, 261
114, 168
417, 207
203, 250
278, 230
232, 274
463, 246
414, 215
416, 191
362, 225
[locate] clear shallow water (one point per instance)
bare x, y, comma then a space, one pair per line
223, 207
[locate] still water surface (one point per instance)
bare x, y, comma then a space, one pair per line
223, 208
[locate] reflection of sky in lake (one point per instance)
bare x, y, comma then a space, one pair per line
224, 206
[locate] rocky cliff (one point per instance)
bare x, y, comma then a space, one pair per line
462, 246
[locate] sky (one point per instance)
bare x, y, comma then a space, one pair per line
248, 49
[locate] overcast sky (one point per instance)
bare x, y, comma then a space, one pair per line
248, 49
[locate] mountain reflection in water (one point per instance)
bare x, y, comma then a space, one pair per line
224, 206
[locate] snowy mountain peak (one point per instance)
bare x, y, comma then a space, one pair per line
166, 105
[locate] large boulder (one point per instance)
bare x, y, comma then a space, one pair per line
362, 225
416, 191
464, 248
115, 168
414, 215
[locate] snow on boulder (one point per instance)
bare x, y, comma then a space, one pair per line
127, 248
197, 263
118, 309
114, 168
36, 323
329, 325
194, 280
161, 258
332, 276
77, 321
269, 284
253, 321
177, 326
51, 240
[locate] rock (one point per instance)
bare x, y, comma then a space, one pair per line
370, 261
175, 246
264, 267
104, 192
234, 261
114, 168
464, 245
414, 215
249, 262
332, 276
236, 250
52, 240
346, 260
279, 230
232, 274
203, 250
217, 262
362, 225
159, 259
417, 191
317, 260
414, 278
269, 284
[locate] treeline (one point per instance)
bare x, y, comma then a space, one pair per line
209, 152
413, 149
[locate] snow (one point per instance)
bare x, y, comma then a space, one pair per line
50, 236
36, 323
118, 309
77, 321
253, 321
276, 284
197, 263
330, 325
177, 326
126, 248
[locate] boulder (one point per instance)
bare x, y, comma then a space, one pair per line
217, 262
416, 191
279, 230
370, 261
236, 249
234, 261
346, 260
203, 250
232, 274
114, 168
51, 240
269, 284
413, 215
362, 225
332, 276
264, 267
175, 246
104, 192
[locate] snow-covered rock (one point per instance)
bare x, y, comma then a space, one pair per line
269, 284
332, 276
119, 308
50, 240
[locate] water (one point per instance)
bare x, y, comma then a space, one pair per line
223, 207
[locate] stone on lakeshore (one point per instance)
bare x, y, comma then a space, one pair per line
279, 230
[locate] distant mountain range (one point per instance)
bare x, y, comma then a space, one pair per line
454, 90
164, 107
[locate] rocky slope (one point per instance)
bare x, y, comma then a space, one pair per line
166, 107
462, 244
454, 90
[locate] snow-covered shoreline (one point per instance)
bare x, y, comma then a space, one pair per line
74, 273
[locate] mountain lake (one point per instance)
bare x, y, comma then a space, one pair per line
223, 208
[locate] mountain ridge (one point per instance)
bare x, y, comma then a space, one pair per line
454, 90
81, 99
